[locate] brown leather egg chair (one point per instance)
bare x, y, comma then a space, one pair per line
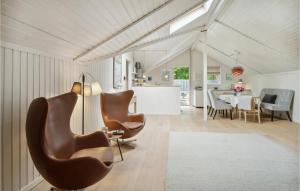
114, 107
65, 160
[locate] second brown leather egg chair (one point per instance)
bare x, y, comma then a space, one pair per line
114, 108
65, 160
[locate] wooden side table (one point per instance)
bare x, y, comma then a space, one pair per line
116, 138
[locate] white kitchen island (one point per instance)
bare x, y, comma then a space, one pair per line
158, 100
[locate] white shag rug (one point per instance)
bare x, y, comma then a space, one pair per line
229, 162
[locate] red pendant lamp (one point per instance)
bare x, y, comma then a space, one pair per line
237, 71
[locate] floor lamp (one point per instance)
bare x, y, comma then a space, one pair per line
87, 87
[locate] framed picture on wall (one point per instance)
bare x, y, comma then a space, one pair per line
117, 71
165, 75
228, 77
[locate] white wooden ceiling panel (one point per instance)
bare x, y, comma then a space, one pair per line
252, 54
272, 22
86, 23
53, 20
13, 32
152, 54
165, 31
150, 23
266, 32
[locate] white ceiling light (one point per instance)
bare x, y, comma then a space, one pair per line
191, 16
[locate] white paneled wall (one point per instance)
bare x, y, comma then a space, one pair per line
25, 75
103, 73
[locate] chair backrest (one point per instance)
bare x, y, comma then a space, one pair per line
284, 96
59, 139
35, 126
208, 100
211, 98
115, 105
245, 102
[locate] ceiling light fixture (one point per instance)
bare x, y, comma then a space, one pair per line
237, 70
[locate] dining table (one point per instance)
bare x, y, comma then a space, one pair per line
232, 99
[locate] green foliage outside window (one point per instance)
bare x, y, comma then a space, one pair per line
211, 77
181, 73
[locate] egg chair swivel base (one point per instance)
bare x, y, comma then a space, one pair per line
65, 160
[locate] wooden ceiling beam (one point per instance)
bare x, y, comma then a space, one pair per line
125, 48
230, 57
246, 36
123, 29
161, 39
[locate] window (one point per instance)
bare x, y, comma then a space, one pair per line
213, 78
213, 75
191, 16
181, 73
117, 72
181, 79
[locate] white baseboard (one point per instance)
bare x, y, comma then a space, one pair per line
32, 184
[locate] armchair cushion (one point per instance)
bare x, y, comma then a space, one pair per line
96, 139
268, 98
132, 125
136, 118
103, 154
275, 107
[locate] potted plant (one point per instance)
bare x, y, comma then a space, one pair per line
238, 90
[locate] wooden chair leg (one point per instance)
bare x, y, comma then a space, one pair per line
245, 114
226, 113
272, 116
289, 116
258, 117
231, 114
215, 114
212, 112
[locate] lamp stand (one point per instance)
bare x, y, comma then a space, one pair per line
83, 81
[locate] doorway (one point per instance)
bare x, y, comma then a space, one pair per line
181, 77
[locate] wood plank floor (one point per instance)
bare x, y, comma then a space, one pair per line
144, 167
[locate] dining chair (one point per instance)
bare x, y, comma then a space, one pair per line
210, 109
218, 105
249, 105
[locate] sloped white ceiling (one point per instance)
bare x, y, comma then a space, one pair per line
71, 27
264, 32
156, 54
